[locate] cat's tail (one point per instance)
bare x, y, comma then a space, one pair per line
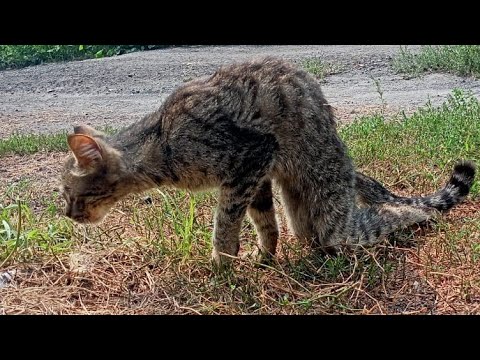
370, 191
390, 213
368, 226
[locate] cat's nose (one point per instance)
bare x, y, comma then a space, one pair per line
79, 219
76, 214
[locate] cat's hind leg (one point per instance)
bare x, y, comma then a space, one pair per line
297, 212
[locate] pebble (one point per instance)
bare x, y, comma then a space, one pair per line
6, 278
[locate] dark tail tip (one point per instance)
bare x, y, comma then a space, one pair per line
467, 169
463, 176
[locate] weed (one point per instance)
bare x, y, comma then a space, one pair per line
463, 60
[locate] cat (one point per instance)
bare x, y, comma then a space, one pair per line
238, 130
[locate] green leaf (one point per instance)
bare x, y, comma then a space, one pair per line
6, 226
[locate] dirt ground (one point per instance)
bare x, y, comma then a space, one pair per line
120, 90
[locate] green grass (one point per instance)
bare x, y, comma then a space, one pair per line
18, 56
319, 68
177, 222
463, 60
32, 143
426, 144
26, 144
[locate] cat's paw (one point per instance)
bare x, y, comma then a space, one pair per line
220, 261
262, 258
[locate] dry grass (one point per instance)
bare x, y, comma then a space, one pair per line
134, 265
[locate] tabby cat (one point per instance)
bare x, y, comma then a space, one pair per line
238, 130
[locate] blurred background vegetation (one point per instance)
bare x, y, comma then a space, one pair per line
18, 56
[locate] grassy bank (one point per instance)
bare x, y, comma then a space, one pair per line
463, 60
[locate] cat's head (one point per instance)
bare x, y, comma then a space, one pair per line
90, 176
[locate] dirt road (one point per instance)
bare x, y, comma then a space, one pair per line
120, 90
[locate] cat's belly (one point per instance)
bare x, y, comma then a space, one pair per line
197, 183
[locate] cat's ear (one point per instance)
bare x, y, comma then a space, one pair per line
86, 150
88, 130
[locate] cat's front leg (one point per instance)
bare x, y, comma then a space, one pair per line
232, 205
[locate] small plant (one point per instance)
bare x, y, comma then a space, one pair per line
320, 69
380, 92
22, 232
